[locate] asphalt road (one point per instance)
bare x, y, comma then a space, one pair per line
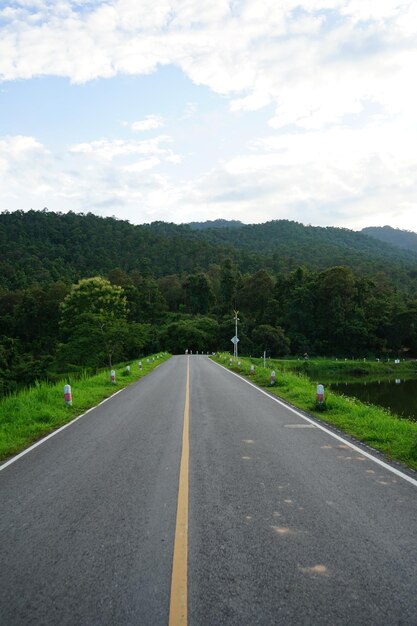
287, 525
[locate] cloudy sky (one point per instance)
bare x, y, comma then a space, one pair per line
182, 110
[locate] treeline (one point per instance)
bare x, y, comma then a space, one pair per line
60, 326
401, 238
45, 247
285, 245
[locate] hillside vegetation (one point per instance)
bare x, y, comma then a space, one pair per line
80, 291
42, 246
284, 245
401, 238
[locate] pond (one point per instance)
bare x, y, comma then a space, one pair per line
398, 395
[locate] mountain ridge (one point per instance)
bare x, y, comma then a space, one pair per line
44, 246
406, 239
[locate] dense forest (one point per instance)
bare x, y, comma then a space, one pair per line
80, 291
403, 238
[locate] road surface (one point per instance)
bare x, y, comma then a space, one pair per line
284, 524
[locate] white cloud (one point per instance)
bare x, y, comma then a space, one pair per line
19, 146
104, 176
342, 176
142, 166
110, 149
316, 59
338, 76
149, 123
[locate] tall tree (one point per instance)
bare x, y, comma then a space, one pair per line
228, 285
256, 294
270, 339
93, 322
198, 293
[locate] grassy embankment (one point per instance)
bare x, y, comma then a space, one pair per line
351, 370
377, 427
32, 413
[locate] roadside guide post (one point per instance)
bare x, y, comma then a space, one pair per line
112, 377
320, 394
273, 377
235, 339
68, 395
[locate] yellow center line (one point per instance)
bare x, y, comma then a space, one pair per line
178, 602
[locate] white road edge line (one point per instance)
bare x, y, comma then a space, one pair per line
323, 428
55, 432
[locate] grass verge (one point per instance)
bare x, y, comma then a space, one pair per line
33, 413
375, 426
349, 369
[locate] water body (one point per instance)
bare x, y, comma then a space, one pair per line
398, 395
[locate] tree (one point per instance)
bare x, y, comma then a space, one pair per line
145, 301
93, 322
171, 289
256, 294
403, 332
271, 339
335, 301
296, 295
196, 334
37, 318
228, 284
198, 293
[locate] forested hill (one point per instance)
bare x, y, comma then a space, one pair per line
45, 246
396, 237
313, 246
81, 291
215, 224
42, 246
286, 245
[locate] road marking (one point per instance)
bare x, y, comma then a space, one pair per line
324, 429
55, 432
178, 601
58, 430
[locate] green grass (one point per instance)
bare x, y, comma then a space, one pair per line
350, 368
375, 426
32, 413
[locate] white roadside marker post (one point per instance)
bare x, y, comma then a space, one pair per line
113, 377
272, 377
68, 395
320, 394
